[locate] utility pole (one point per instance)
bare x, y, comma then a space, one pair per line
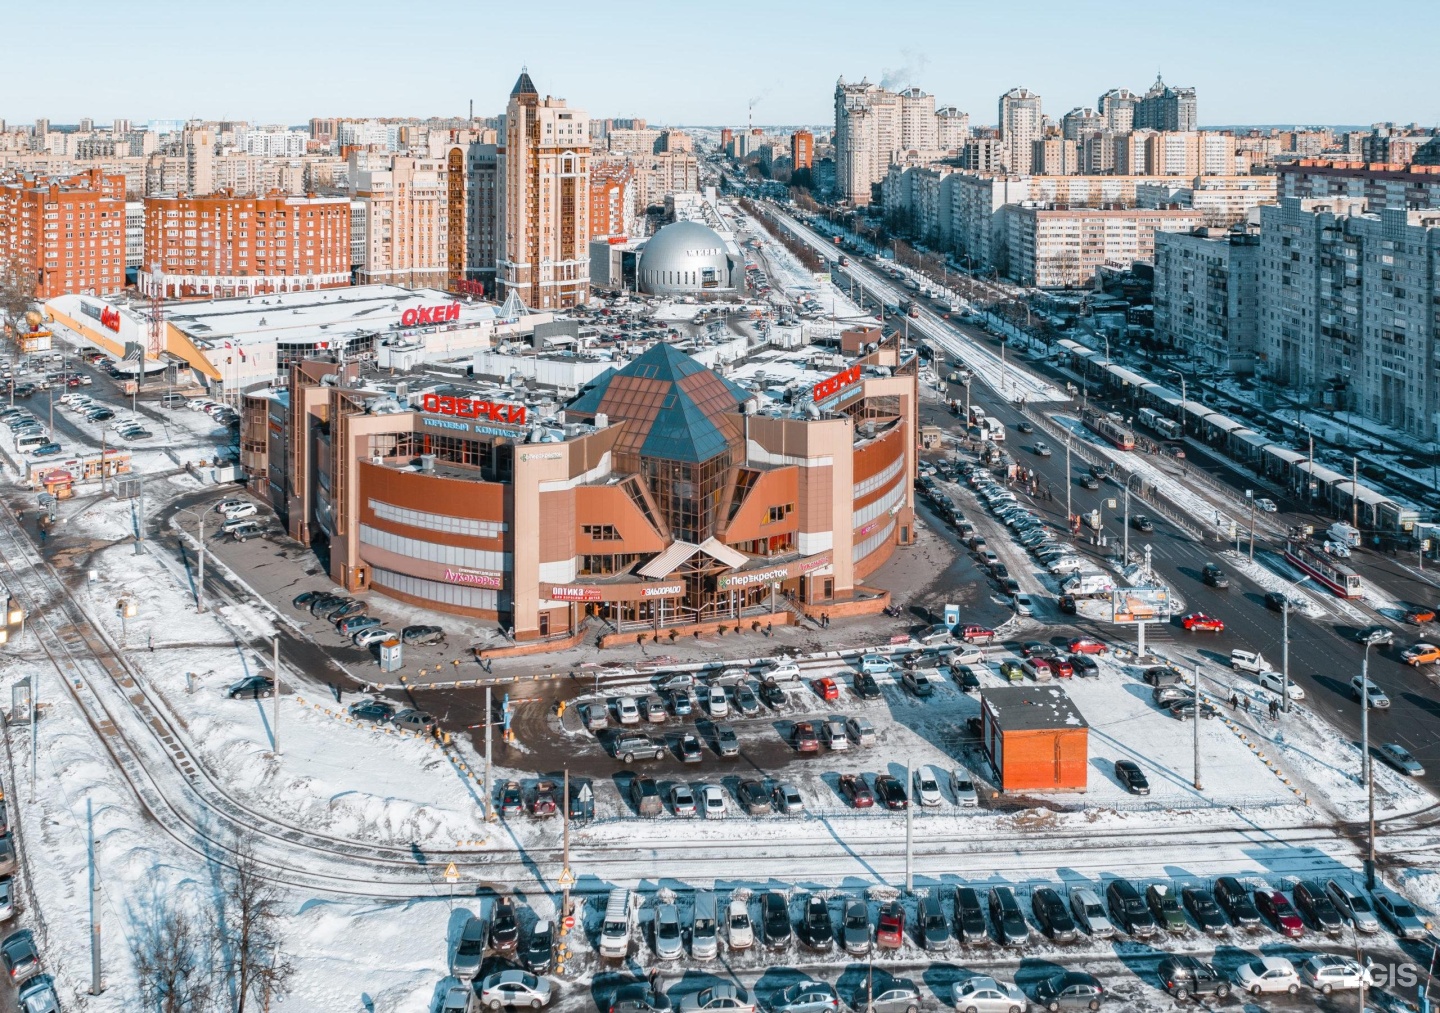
1285, 655
1068, 513
1365, 762
139, 517
1355, 493
909, 829
275, 699
1127, 520
200, 582
567, 878
1252, 526
489, 807
34, 730
1196, 723
95, 986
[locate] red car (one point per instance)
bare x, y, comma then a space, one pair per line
826, 689
976, 634
542, 803
1084, 645
1200, 622
804, 738
890, 932
1420, 615
1276, 908
855, 789
1061, 669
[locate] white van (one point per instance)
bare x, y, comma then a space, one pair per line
31, 441
619, 920
704, 933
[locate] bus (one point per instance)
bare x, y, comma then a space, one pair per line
1167, 428
995, 427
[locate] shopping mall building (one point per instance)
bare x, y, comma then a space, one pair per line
662, 495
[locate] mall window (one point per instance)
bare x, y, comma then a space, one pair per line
779, 513
604, 565
600, 532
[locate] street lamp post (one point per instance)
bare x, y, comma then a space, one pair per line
1365, 764
1285, 645
200, 575
1068, 513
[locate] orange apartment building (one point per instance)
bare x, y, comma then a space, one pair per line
612, 199
802, 150
68, 230
221, 245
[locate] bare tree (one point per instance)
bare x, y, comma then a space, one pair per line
173, 953
256, 965
17, 290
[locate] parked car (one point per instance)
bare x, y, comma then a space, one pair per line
1089, 913
514, 988
627, 710
1315, 907
1276, 908
890, 926
1128, 911
891, 792
918, 683
854, 788
927, 787
638, 997
1268, 974
419, 635
805, 997
1189, 979
1165, 907
38, 996
1327, 972
787, 800
1006, 916
727, 743
1234, 897
470, 950
984, 994
740, 930
1400, 758
855, 927
860, 731
378, 711
884, 993
1131, 777
645, 796
1070, 990
826, 689
512, 799
775, 928
21, 958
1202, 907
412, 720
1353, 906
816, 930
1398, 913
1052, 915
682, 800
252, 687
716, 702
803, 737
753, 797
668, 940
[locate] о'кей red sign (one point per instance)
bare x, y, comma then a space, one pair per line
840, 380
430, 315
110, 318
466, 408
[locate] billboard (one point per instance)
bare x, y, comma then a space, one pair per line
1129, 605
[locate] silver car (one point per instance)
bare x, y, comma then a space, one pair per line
1353, 905
514, 988
983, 994
964, 789
1399, 914
855, 927
668, 943
470, 950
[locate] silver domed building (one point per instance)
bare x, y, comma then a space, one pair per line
686, 258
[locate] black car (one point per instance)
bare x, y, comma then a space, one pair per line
638, 998
1275, 601
771, 693
1131, 777
1067, 604
323, 603
1024, 427
891, 792
1006, 916
1053, 915
969, 916
1234, 898
1128, 912
537, 953
866, 688
1316, 907
999, 571
1202, 907
1084, 665
378, 711
304, 598
1142, 523
1375, 635
965, 677
422, 635
252, 687
1188, 978
1088, 481
931, 930
1214, 576
1071, 990
817, 930
774, 918
504, 927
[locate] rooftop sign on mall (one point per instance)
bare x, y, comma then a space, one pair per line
836, 383
469, 408
421, 315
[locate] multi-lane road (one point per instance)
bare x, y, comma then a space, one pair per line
1323, 654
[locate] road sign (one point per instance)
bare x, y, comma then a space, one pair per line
452, 874
569, 922
567, 878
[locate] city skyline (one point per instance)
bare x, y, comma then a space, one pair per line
435, 72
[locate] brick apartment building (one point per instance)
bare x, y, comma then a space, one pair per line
223, 245
68, 230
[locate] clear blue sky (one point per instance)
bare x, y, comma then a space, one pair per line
1261, 61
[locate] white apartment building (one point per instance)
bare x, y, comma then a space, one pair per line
1221, 200
1348, 308
1022, 122
1207, 300
134, 233
370, 133
952, 128
917, 120
867, 136
1062, 247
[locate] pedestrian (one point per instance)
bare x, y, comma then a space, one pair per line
1234, 701
150, 642
655, 979
1245, 704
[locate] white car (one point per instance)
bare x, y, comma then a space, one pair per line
1024, 606
1268, 974
1267, 505
984, 994
741, 929
627, 710
1325, 972
7, 898
1089, 913
1275, 683
243, 510
226, 505
963, 789
514, 988
717, 703
373, 634
712, 801
783, 670
876, 664
927, 787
